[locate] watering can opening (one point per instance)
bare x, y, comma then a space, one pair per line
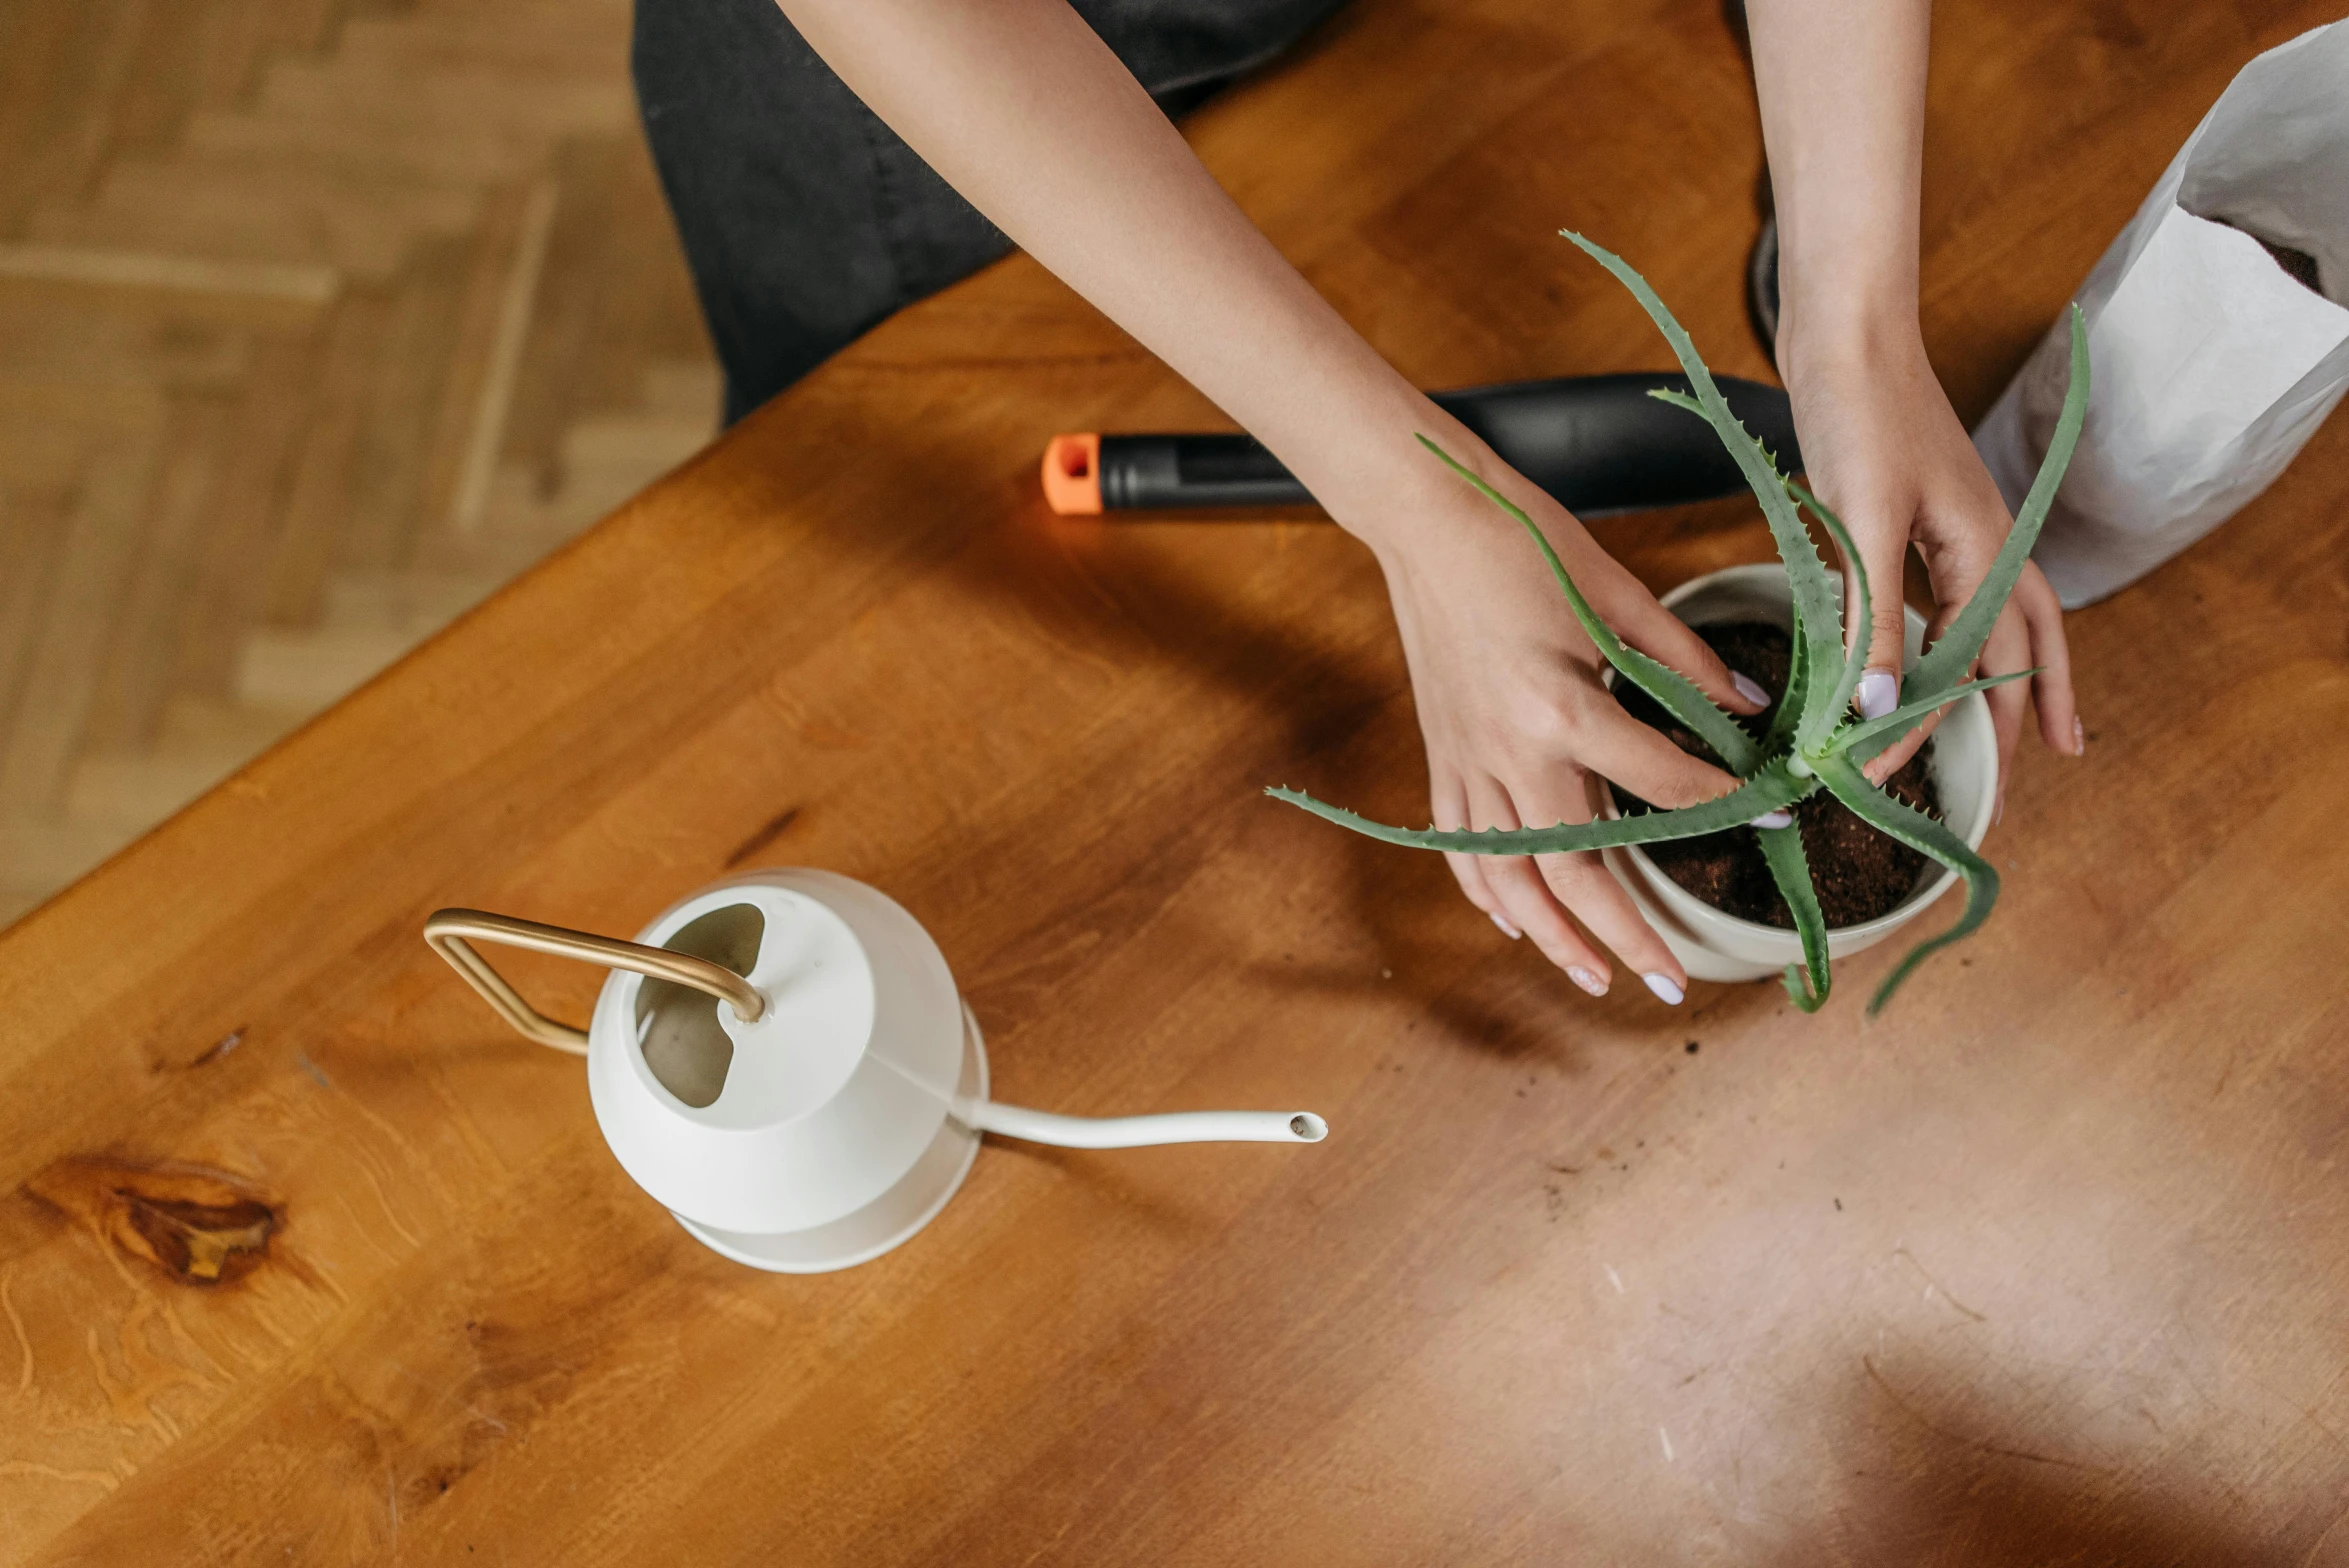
685, 1047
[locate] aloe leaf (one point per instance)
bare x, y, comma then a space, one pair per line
1819, 718
1892, 726
1922, 833
1680, 696
1790, 701
1782, 850
1817, 615
1804, 572
1771, 789
1947, 661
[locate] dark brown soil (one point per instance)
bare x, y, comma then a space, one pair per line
1859, 872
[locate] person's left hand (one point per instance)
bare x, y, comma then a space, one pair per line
1884, 449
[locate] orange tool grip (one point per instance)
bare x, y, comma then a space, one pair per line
1072, 474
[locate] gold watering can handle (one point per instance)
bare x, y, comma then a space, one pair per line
451, 931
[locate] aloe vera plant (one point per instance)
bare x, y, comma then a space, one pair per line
1814, 740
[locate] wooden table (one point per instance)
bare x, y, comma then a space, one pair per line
305, 1258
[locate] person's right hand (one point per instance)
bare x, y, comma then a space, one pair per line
1024, 109
1519, 725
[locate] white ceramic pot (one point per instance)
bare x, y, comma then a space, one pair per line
1963, 761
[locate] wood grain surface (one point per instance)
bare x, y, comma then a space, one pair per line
303, 1257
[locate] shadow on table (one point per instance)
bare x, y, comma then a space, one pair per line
1937, 1491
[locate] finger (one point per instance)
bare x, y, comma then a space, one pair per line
1896, 756
1448, 804
2006, 703
2006, 651
1589, 890
1883, 558
1655, 631
1615, 745
1527, 899
2051, 651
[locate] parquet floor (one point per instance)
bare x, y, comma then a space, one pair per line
319, 319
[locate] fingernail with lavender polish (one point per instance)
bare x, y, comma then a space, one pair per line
2079, 737
1588, 981
1775, 819
1878, 694
1507, 930
1666, 988
1750, 689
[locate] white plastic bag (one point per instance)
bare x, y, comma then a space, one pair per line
2212, 363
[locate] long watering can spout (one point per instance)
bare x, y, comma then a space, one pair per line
1133, 1132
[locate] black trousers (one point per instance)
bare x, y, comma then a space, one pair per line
806, 221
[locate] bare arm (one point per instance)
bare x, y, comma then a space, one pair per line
1842, 86
1024, 110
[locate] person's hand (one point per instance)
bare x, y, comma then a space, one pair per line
1886, 452
1519, 726
1883, 447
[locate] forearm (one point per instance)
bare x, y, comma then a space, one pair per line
1842, 87
1023, 109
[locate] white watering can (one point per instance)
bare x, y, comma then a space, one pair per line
782, 1060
